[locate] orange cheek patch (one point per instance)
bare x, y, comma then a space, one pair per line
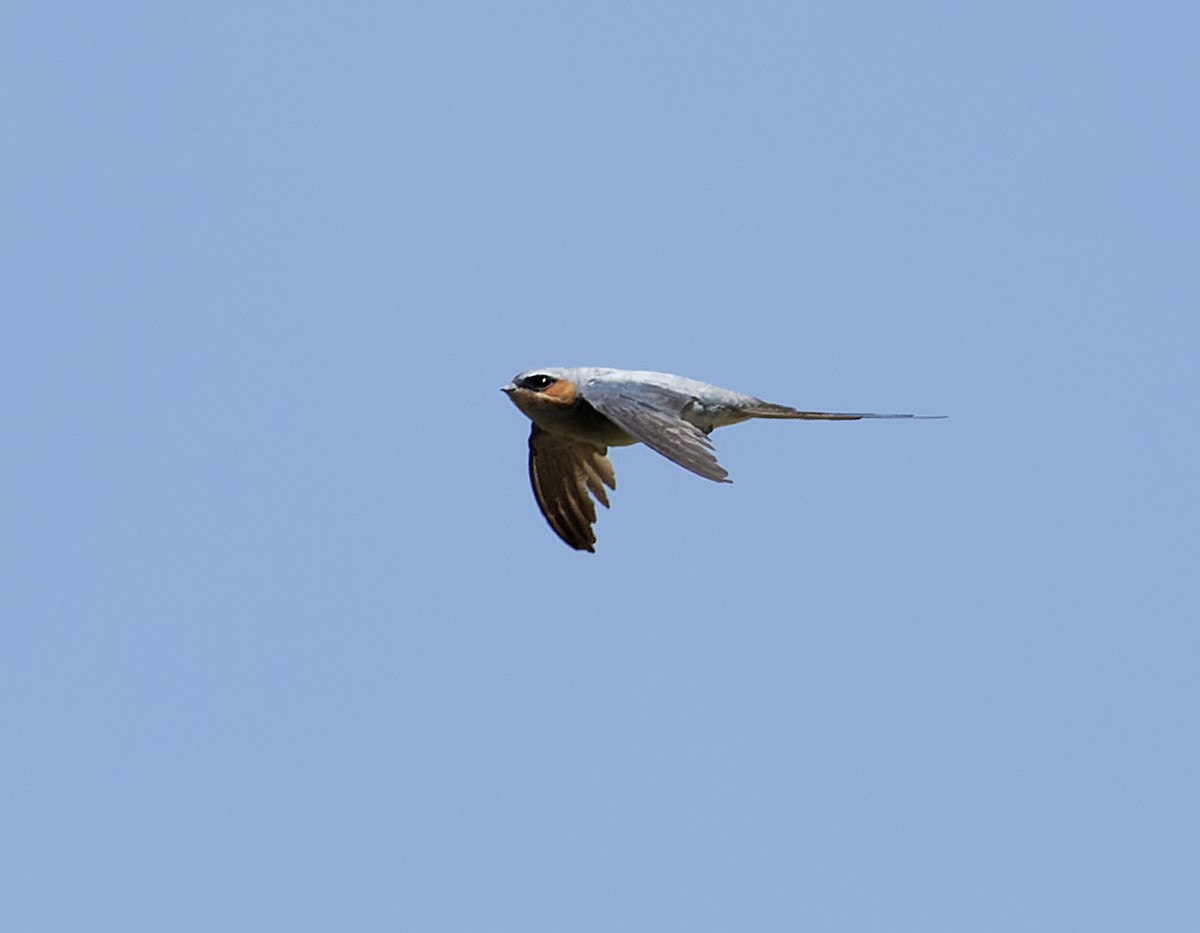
563, 392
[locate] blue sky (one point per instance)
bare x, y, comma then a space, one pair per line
287, 645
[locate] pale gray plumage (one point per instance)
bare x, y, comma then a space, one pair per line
652, 415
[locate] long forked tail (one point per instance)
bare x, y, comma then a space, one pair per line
769, 410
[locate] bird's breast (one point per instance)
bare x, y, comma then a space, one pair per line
577, 420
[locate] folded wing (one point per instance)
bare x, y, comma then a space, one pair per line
653, 417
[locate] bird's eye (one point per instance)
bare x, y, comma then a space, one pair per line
540, 381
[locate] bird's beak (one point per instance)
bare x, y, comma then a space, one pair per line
508, 389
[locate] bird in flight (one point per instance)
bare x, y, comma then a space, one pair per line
579, 412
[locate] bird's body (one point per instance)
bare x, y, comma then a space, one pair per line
579, 412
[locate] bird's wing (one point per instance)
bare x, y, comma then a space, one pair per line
562, 472
652, 415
